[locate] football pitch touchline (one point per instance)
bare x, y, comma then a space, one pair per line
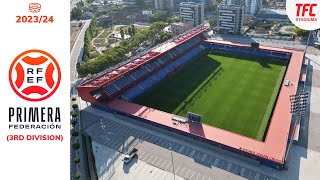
271, 104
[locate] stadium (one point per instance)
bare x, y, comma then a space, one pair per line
234, 96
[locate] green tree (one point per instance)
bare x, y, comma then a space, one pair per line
129, 31
74, 122
133, 30
90, 32
75, 133
76, 13
163, 37
301, 33
152, 35
76, 145
172, 20
213, 22
78, 175
80, 4
122, 33
159, 16
158, 26
74, 106
74, 114
76, 160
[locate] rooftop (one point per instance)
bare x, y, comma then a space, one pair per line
190, 4
273, 12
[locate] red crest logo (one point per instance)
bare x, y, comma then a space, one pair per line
34, 75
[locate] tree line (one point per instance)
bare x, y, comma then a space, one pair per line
89, 34
76, 12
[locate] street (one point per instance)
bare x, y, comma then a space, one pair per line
76, 52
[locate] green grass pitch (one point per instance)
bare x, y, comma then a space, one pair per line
231, 91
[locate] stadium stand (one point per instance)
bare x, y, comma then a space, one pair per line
152, 67
156, 77
247, 50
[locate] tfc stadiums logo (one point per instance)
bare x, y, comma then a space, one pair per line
34, 75
34, 7
304, 13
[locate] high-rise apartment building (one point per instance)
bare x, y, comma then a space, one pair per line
192, 12
250, 6
230, 19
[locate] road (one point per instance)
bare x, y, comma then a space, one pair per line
76, 51
74, 57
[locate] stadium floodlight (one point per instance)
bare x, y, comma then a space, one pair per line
298, 109
299, 103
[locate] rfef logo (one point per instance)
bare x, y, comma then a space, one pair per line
34, 75
304, 13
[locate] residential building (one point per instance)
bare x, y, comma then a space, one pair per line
250, 6
192, 12
233, 2
230, 19
145, 4
180, 27
176, 5
207, 3
164, 5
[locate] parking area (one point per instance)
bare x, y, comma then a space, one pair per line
155, 150
110, 166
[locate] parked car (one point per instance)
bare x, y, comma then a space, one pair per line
127, 158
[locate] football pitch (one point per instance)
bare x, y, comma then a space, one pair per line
231, 91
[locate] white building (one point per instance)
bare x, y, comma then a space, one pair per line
191, 12
180, 27
252, 6
230, 19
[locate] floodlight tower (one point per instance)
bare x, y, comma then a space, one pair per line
298, 110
